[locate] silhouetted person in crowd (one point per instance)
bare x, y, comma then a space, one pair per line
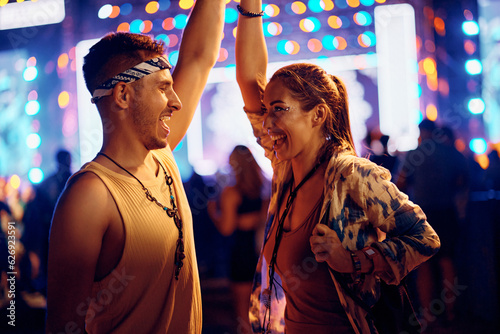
435, 175
37, 218
383, 158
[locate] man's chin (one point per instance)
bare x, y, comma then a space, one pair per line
157, 145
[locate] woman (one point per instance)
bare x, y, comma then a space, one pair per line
242, 214
301, 118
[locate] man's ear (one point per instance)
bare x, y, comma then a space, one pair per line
121, 95
319, 114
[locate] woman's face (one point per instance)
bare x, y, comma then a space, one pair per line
290, 128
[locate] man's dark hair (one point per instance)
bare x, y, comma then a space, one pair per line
115, 53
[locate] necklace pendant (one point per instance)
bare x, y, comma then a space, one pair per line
170, 212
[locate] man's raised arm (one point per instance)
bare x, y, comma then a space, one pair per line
198, 53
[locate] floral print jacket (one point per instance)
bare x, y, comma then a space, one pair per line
365, 209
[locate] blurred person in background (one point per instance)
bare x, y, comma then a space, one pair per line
241, 214
436, 176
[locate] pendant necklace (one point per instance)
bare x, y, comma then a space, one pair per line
171, 212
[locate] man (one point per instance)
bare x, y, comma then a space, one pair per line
121, 253
436, 176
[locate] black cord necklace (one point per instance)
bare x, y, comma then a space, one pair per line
171, 212
266, 294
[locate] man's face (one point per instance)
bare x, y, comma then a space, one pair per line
152, 106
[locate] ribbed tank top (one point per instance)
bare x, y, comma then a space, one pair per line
141, 295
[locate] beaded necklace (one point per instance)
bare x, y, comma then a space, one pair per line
171, 212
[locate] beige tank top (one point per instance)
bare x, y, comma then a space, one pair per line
141, 295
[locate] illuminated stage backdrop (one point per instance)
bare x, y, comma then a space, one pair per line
372, 45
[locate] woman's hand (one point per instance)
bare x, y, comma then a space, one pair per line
326, 246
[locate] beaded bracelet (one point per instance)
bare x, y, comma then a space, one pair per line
357, 268
247, 13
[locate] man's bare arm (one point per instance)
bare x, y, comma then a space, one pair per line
198, 53
80, 221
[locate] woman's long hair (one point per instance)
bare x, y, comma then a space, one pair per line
248, 174
311, 85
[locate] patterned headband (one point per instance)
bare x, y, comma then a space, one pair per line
132, 74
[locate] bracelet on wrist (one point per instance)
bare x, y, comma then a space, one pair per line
246, 13
370, 253
357, 267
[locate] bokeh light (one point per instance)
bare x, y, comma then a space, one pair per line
231, 15
105, 11
135, 26
30, 73
186, 4
335, 22
473, 66
63, 99
173, 57
327, 42
272, 29
164, 38
35, 175
271, 11
173, 40
223, 54
33, 95
469, 46
31, 61
362, 18
316, 6
180, 21
123, 27
327, 5
146, 26
478, 145
353, 3
367, 39
32, 108
339, 43
429, 66
298, 7
152, 7
164, 4
314, 45
114, 12
310, 24
126, 9
431, 112
168, 23
33, 140
470, 28
439, 26
15, 181
476, 106
62, 60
